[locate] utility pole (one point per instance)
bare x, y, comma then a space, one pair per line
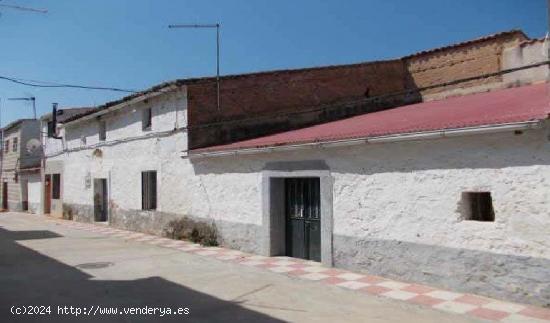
30, 98
217, 26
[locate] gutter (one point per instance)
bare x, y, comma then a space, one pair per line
414, 136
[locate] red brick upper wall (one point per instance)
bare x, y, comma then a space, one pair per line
244, 96
262, 103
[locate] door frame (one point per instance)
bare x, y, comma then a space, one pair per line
273, 205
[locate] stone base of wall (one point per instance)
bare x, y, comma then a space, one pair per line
34, 208
513, 278
15, 206
241, 236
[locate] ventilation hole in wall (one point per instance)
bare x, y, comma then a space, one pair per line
477, 206
518, 132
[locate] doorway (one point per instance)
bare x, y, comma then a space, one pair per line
100, 200
47, 194
5, 195
303, 218
25, 195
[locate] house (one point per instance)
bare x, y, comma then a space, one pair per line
52, 141
20, 165
430, 168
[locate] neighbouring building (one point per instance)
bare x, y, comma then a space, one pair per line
20, 165
430, 168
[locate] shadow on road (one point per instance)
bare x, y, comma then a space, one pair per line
30, 278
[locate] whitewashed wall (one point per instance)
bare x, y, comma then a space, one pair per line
34, 191
122, 162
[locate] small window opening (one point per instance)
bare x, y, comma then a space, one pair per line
478, 206
7, 146
15, 144
102, 130
147, 119
149, 190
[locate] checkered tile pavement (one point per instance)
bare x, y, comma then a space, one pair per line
468, 304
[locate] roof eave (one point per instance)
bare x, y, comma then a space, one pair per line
123, 104
413, 136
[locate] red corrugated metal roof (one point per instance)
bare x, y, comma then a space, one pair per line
511, 105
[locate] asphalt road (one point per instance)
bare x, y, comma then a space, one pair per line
48, 267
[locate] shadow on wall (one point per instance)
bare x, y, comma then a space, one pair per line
494, 151
516, 278
28, 277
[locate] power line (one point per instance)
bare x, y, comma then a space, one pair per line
58, 85
16, 7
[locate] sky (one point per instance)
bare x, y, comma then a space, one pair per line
127, 44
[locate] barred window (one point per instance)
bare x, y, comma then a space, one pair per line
149, 190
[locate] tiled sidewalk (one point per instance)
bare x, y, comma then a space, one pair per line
468, 304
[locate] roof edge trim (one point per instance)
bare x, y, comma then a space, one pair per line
413, 136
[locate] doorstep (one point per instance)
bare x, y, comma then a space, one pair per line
480, 307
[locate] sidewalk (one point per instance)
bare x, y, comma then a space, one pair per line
472, 305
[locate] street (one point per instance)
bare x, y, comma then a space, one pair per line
43, 263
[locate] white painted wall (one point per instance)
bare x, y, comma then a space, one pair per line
123, 162
530, 52
34, 191
410, 191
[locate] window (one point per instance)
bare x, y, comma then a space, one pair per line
149, 190
56, 186
102, 130
147, 119
15, 142
478, 206
7, 146
51, 130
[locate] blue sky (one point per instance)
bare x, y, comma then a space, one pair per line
126, 43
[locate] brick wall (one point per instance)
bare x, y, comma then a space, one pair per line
272, 96
258, 104
459, 62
